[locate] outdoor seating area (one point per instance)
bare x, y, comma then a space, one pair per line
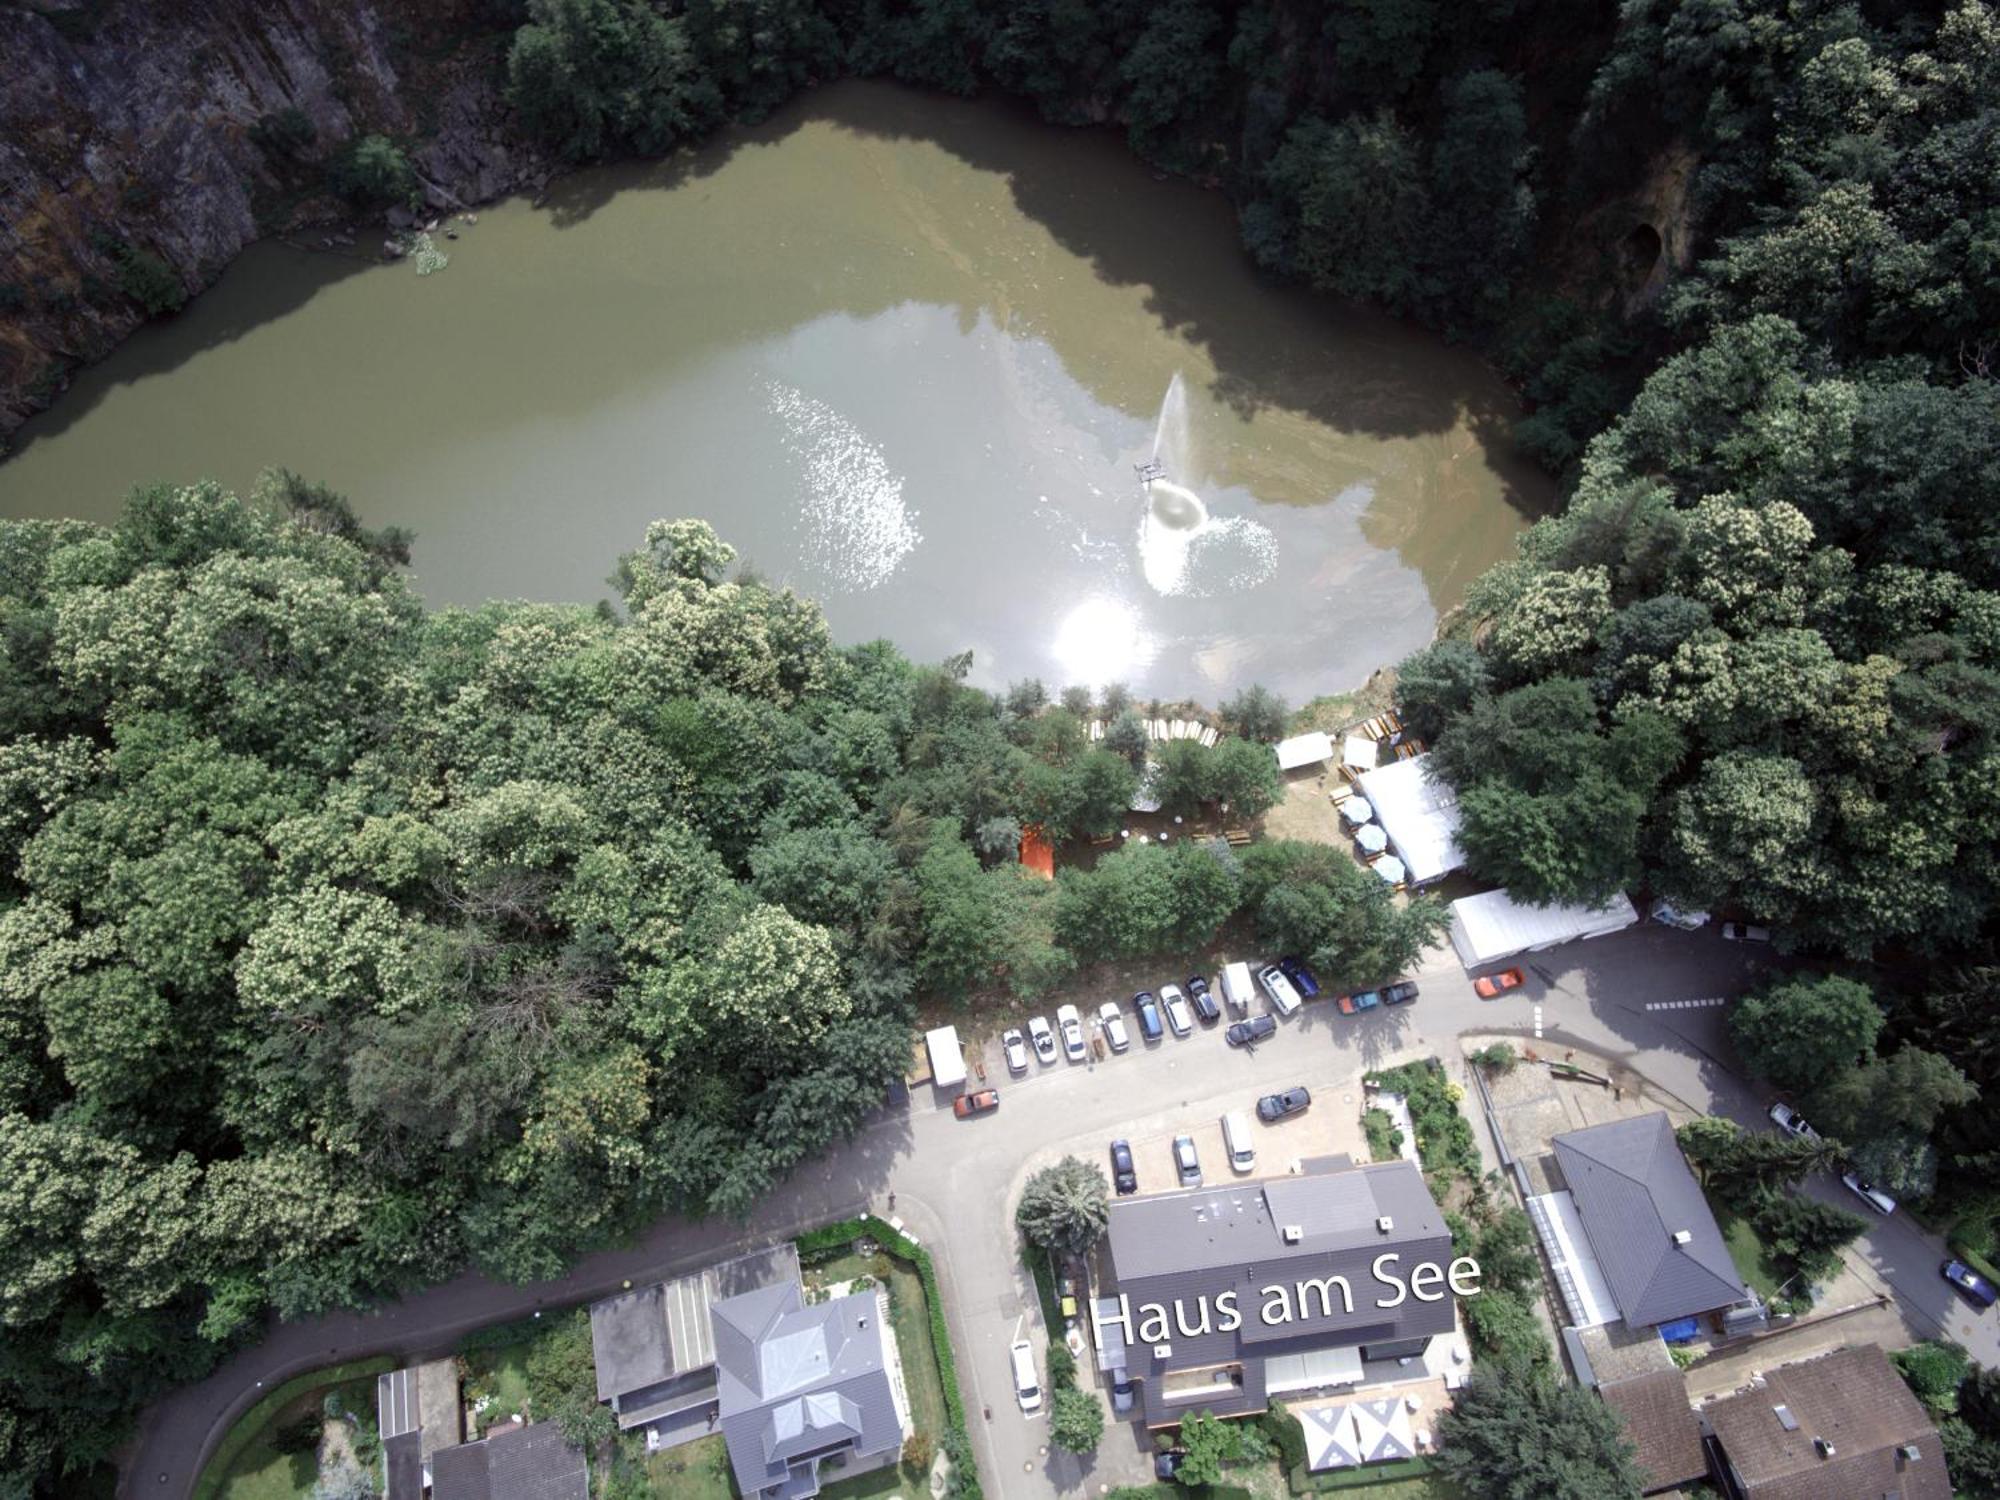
1379, 741
1348, 1431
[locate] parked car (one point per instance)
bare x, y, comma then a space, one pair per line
1402, 992
1279, 1106
1743, 932
967, 1105
1977, 1288
1279, 988
1178, 1015
1301, 977
1123, 1395
1124, 1176
1167, 1463
1186, 1164
1148, 1011
1792, 1122
1027, 1383
1070, 1024
1868, 1193
1205, 1009
1249, 1033
1016, 1047
1114, 1026
1493, 986
1044, 1038
1353, 1005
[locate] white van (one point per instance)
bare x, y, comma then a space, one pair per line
1236, 1141
1027, 1384
1236, 988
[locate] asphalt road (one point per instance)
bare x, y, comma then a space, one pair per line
1623, 997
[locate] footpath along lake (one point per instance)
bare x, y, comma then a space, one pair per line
907, 353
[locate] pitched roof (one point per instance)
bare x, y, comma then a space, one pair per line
1852, 1399
1662, 1426
795, 1379
535, 1462
1634, 1192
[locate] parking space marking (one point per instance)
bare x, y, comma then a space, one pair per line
1538, 1020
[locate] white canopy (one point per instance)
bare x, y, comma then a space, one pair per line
1361, 752
1493, 925
1312, 1370
947, 1057
1419, 815
1303, 750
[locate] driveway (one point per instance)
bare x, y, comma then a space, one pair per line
1624, 997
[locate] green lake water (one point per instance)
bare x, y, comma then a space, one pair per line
905, 353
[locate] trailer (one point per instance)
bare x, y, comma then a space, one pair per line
947, 1057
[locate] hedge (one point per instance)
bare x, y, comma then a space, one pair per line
1037, 1260
250, 1426
831, 1240
1304, 1482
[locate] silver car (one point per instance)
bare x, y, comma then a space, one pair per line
1044, 1039
1016, 1048
1070, 1024
1179, 1017
1186, 1163
1113, 1021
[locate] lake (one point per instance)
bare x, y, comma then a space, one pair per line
908, 354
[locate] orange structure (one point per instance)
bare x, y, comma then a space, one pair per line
1037, 853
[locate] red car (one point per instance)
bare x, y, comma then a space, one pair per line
967, 1105
1493, 986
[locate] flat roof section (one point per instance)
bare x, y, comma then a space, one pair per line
1586, 1294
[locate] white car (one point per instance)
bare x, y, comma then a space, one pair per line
1178, 1015
1741, 932
1044, 1039
1070, 1024
1792, 1122
1868, 1193
1027, 1385
1016, 1048
1284, 999
1114, 1026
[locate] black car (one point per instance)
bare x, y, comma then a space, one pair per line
1249, 1033
1301, 977
1400, 993
1293, 1101
1122, 1173
1167, 1465
1203, 1002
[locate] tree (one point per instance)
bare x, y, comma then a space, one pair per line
1313, 900
1516, 1435
1076, 1420
373, 171
1904, 1092
1185, 777
592, 76
1027, 698
1438, 683
562, 1383
1243, 776
1800, 1032
1256, 713
1934, 1370
1208, 1442
1064, 1208
1126, 735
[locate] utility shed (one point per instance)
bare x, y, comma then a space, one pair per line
947, 1057
1419, 815
1303, 750
1493, 925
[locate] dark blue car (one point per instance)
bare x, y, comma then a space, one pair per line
1149, 1015
1300, 976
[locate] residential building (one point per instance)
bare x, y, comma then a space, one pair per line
532, 1462
1841, 1425
1662, 1426
418, 1410
1218, 1299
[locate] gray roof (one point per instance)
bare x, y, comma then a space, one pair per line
1206, 1241
798, 1380
1633, 1190
529, 1463
403, 1462
661, 1333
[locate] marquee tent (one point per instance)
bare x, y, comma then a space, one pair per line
1303, 750
1493, 925
1419, 815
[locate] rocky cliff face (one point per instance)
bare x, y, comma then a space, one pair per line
137, 154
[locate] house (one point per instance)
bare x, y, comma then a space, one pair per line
1651, 1237
1843, 1424
1662, 1426
1218, 1299
417, 1412
655, 1350
535, 1462
803, 1386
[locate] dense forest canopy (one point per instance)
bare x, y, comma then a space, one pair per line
344, 945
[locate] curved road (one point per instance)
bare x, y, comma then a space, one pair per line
1623, 997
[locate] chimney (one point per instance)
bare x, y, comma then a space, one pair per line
1682, 1237
1294, 1233
1823, 1448
1385, 1224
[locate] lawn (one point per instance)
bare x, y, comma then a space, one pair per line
694, 1471
1753, 1261
263, 1473
503, 1372
245, 1466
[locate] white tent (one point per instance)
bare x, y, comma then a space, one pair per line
1493, 925
947, 1057
1303, 750
1419, 815
1361, 752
